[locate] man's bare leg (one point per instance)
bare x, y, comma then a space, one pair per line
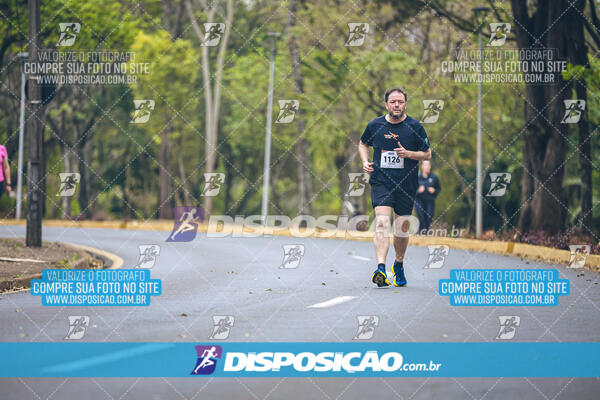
381, 239
400, 245
401, 228
381, 242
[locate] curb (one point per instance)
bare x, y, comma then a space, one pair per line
114, 261
525, 251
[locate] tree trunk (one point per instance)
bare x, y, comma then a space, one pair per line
579, 56
211, 104
229, 173
544, 134
585, 161
304, 178
184, 184
526, 190
65, 147
84, 193
344, 163
172, 21
66, 200
35, 138
164, 205
127, 211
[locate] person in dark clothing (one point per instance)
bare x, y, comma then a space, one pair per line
399, 142
429, 188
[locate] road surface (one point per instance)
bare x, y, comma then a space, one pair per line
241, 277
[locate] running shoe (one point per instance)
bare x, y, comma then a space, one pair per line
380, 277
399, 278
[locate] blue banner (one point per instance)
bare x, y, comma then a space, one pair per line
504, 287
300, 359
96, 287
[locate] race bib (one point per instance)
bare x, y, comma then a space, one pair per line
389, 159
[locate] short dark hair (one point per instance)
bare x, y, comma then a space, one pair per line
395, 89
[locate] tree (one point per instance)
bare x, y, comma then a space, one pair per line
304, 178
170, 85
212, 85
35, 196
551, 26
558, 26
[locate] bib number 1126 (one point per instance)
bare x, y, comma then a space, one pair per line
389, 159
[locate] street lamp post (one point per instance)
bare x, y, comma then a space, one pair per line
479, 13
265, 196
21, 139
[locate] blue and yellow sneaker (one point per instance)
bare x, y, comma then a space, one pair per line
398, 271
380, 277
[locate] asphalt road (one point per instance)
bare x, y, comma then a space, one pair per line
241, 277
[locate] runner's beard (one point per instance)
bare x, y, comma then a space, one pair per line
396, 114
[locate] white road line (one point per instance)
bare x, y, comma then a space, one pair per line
360, 258
333, 302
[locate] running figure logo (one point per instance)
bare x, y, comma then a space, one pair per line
573, 111
287, 111
432, 108
579, 253
358, 182
437, 256
148, 254
68, 183
207, 359
213, 32
499, 33
222, 326
68, 33
77, 325
500, 181
366, 326
508, 326
142, 111
212, 184
358, 34
186, 223
292, 255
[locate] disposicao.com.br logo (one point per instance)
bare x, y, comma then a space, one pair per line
290, 363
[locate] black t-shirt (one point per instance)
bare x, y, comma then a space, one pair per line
431, 181
384, 137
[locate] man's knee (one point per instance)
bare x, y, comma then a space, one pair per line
382, 223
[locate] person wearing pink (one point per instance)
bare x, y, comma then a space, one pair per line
4, 172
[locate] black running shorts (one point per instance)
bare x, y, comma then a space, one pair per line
401, 200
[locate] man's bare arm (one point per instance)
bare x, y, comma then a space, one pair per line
363, 151
415, 155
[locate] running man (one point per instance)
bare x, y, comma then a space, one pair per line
144, 109
288, 109
207, 361
399, 142
68, 34
359, 32
573, 111
187, 220
214, 32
